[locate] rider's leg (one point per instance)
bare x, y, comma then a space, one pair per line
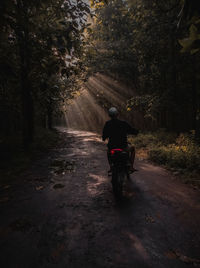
109, 159
132, 157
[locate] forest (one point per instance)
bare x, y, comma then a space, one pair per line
70, 196
51, 50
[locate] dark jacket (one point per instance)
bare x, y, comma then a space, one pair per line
116, 131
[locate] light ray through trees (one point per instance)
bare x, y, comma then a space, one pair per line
89, 110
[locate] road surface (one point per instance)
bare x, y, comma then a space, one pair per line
61, 213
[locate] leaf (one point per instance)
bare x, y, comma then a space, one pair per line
149, 218
193, 32
171, 255
186, 259
193, 51
38, 188
187, 43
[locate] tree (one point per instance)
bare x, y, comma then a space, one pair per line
138, 42
41, 41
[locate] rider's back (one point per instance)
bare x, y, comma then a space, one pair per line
116, 131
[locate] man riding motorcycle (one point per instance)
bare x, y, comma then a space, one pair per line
116, 132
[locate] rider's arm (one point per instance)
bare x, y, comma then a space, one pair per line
131, 130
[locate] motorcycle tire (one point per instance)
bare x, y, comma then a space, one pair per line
118, 178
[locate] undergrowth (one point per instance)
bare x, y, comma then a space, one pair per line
180, 153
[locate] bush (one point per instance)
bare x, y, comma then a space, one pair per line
165, 137
144, 140
184, 154
158, 155
168, 149
158, 138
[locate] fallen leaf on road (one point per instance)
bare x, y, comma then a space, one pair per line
186, 259
171, 255
175, 254
149, 218
158, 215
38, 188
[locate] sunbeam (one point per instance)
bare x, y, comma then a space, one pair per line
89, 110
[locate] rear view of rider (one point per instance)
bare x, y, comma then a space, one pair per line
116, 132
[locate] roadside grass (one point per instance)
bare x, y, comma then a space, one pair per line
179, 153
14, 160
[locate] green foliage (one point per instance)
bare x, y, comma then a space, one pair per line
149, 139
190, 15
41, 43
191, 43
110, 39
144, 140
176, 157
180, 152
138, 42
149, 104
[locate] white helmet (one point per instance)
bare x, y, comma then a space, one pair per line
113, 112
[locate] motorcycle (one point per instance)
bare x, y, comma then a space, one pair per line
120, 165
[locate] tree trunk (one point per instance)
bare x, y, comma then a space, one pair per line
22, 33
49, 116
27, 109
173, 81
197, 114
196, 101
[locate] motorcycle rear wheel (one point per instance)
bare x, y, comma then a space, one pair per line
118, 178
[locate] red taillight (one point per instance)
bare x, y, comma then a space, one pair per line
113, 151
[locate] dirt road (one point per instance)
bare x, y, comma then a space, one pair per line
61, 213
